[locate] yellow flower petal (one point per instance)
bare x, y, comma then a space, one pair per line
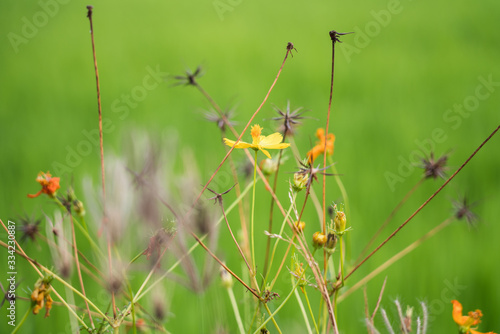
277, 146
240, 144
273, 139
259, 142
266, 153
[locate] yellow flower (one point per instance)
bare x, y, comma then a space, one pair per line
259, 142
466, 321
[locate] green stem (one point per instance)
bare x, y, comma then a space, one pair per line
253, 214
282, 304
345, 198
22, 320
235, 309
82, 229
271, 210
69, 286
132, 305
310, 311
271, 315
341, 274
277, 239
303, 310
341, 260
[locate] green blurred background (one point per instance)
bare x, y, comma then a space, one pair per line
397, 81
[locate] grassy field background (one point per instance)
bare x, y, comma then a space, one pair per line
398, 82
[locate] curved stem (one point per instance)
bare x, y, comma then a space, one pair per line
16, 329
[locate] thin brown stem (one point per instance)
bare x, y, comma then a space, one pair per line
200, 242
240, 136
379, 300
101, 142
99, 108
223, 265
79, 271
425, 203
234, 239
389, 218
396, 257
326, 131
308, 189
271, 211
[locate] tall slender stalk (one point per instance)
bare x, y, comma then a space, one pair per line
99, 108
101, 145
252, 234
271, 211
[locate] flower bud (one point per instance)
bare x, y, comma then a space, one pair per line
331, 242
300, 181
300, 226
227, 279
319, 239
340, 221
78, 207
269, 166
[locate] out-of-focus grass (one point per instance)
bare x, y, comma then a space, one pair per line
392, 93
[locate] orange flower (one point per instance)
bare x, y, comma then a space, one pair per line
41, 296
320, 145
49, 185
466, 321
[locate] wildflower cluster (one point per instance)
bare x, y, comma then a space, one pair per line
49, 185
175, 211
466, 323
41, 296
